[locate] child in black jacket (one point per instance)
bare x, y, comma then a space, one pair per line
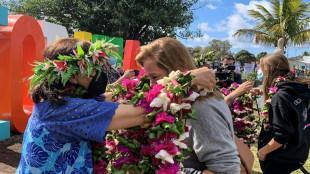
285, 137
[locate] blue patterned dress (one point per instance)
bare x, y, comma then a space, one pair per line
57, 139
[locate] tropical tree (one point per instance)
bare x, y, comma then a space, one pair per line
305, 53
220, 47
288, 19
128, 19
244, 56
260, 55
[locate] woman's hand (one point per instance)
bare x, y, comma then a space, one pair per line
204, 78
261, 156
256, 91
244, 88
270, 147
129, 74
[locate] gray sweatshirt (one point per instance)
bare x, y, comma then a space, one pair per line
211, 138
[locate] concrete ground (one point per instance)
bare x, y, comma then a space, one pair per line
10, 150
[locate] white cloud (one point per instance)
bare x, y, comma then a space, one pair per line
210, 6
239, 19
242, 9
204, 26
234, 23
221, 26
204, 39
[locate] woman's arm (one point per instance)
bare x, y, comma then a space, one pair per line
127, 116
207, 172
108, 96
127, 75
270, 147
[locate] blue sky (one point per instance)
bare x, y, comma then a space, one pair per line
220, 19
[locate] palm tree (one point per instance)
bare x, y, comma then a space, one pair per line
287, 20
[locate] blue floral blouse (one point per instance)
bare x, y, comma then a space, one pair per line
57, 139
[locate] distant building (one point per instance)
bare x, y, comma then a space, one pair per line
303, 63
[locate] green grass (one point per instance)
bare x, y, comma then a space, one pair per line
256, 168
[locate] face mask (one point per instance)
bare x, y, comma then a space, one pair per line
97, 86
260, 76
112, 61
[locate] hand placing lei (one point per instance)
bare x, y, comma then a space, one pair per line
272, 91
156, 147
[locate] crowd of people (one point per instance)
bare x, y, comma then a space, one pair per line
61, 127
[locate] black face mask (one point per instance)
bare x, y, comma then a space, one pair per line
97, 86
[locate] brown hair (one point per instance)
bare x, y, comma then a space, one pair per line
274, 65
54, 92
64, 47
228, 57
170, 55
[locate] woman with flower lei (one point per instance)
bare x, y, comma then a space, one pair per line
284, 139
210, 136
62, 124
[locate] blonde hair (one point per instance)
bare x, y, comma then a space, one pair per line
169, 54
275, 65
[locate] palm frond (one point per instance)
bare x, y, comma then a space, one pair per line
266, 12
301, 38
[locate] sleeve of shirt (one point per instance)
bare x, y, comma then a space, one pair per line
81, 119
281, 124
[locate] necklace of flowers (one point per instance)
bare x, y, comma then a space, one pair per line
242, 110
156, 147
272, 91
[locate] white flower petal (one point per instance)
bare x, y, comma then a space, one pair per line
157, 102
183, 136
162, 154
192, 97
182, 145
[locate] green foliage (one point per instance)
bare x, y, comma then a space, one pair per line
205, 59
260, 55
288, 19
244, 57
219, 48
306, 53
131, 20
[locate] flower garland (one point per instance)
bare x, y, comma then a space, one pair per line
272, 91
79, 62
244, 121
156, 147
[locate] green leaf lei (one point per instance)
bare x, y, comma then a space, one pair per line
80, 62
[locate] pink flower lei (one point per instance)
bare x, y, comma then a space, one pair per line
272, 91
156, 147
242, 110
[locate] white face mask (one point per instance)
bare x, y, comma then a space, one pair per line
260, 75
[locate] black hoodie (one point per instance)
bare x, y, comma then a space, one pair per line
288, 115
